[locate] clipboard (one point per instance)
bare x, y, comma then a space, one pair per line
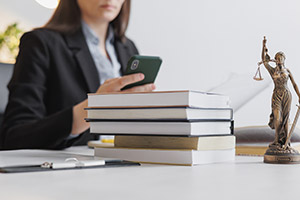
47, 166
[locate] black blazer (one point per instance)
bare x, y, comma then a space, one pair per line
53, 72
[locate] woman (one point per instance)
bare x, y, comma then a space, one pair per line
82, 47
281, 99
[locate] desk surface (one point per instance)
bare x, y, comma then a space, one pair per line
246, 178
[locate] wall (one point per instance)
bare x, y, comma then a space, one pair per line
27, 13
211, 38
203, 41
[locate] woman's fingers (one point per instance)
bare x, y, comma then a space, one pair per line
110, 80
129, 79
116, 84
143, 88
125, 80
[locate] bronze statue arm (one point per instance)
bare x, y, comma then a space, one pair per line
264, 50
294, 84
266, 58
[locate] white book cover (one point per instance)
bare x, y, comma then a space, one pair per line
159, 156
159, 113
159, 99
161, 128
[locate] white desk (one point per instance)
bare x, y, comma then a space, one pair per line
246, 178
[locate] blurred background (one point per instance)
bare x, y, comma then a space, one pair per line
204, 44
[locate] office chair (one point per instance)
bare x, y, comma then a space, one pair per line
6, 71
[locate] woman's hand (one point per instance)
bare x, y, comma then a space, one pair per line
116, 84
111, 85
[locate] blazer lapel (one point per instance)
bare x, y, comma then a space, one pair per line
78, 45
122, 53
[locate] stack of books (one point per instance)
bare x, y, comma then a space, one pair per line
170, 127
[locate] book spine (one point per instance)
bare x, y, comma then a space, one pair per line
159, 120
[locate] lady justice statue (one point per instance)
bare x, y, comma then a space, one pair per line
279, 150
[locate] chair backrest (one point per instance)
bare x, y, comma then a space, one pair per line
6, 71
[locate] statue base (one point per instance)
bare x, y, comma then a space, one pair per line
278, 155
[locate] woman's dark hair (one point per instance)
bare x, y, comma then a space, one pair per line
67, 18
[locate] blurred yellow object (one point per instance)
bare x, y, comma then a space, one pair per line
107, 140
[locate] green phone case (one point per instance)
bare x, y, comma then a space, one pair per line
148, 65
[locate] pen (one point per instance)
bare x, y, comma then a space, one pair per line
62, 165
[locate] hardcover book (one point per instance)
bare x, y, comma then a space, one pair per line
197, 128
167, 156
180, 113
184, 98
254, 140
165, 142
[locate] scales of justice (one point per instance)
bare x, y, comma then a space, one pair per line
280, 150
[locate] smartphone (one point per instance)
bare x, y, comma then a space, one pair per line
148, 65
